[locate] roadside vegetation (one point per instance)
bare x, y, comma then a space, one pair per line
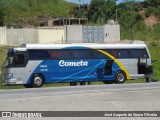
26, 11
139, 20
3, 51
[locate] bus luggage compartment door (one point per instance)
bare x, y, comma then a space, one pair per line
108, 67
99, 73
107, 70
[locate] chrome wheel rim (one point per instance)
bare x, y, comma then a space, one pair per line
120, 77
37, 81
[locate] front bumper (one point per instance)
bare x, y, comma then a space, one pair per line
11, 82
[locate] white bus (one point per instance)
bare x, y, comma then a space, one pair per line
36, 64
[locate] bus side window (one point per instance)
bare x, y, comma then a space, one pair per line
118, 53
81, 54
38, 54
55, 54
123, 53
19, 59
60, 54
100, 55
64, 54
137, 53
114, 53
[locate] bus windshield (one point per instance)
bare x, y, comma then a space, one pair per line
9, 59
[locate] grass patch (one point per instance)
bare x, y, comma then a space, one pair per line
136, 81
3, 51
68, 84
26, 11
155, 54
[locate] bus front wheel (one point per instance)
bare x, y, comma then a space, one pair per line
120, 77
37, 80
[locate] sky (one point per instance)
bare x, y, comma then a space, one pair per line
88, 1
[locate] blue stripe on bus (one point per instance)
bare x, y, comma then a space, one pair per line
55, 73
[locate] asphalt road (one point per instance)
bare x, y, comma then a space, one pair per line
70, 90
115, 97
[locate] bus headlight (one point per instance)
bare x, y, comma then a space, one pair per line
9, 76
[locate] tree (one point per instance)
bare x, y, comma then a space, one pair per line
128, 17
153, 3
101, 10
2, 12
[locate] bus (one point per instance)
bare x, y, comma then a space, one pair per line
36, 64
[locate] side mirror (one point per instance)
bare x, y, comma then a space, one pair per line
142, 62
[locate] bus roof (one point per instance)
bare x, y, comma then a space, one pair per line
82, 45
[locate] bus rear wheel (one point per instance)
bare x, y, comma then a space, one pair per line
37, 81
120, 77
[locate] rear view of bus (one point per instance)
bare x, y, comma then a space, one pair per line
36, 64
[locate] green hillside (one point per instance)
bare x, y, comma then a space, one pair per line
26, 10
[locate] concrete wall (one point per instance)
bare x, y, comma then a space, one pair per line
21, 36
2, 35
73, 33
66, 34
16, 37
111, 33
55, 35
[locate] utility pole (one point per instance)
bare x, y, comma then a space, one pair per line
66, 31
132, 13
79, 5
116, 16
102, 18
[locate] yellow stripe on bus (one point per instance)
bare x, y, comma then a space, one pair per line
118, 63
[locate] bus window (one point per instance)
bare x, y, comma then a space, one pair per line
19, 59
38, 54
81, 54
60, 54
123, 54
100, 55
114, 53
64, 54
138, 53
55, 54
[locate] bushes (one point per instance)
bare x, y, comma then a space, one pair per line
142, 32
152, 10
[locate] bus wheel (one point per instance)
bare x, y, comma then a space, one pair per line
37, 81
27, 85
120, 77
108, 81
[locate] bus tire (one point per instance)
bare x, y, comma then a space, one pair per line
37, 81
27, 85
120, 77
108, 81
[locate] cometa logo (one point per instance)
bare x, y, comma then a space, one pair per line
63, 63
